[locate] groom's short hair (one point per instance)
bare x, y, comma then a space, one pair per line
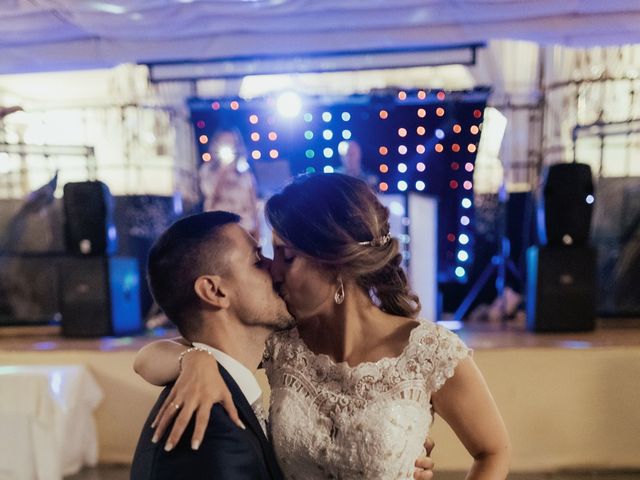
191, 247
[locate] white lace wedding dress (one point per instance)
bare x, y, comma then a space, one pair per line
329, 420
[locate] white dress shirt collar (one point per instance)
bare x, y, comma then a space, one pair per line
241, 375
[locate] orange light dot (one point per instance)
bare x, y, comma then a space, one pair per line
234, 105
203, 139
256, 154
273, 136
402, 95
440, 96
455, 147
273, 153
477, 113
422, 112
384, 168
255, 136
421, 130
383, 150
383, 186
253, 119
471, 148
384, 114
474, 129
422, 94
457, 128
402, 132
440, 111
206, 157
420, 149
439, 148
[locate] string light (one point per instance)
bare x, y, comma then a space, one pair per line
420, 149
346, 116
468, 167
327, 169
421, 130
384, 168
327, 152
234, 105
273, 153
215, 106
256, 154
402, 149
402, 167
308, 118
464, 220
200, 124
474, 129
383, 186
420, 185
440, 111
440, 96
466, 203
308, 135
420, 166
383, 150
255, 136
422, 112
206, 157
384, 114
326, 116
438, 147
327, 134
273, 136
402, 95
457, 128
310, 154
463, 239
402, 185
203, 139
467, 185
253, 119
346, 134
455, 147
402, 132
453, 184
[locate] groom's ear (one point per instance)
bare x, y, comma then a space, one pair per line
210, 289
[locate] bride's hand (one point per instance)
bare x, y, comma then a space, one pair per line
424, 465
198, 387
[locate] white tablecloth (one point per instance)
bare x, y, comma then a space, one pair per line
46, 421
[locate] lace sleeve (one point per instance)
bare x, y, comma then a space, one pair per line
442, 351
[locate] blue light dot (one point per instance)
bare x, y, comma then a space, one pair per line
346, 134
327, 169
346, 116
310, 170
402, 167
590, 199
463, 256
402, 185
327, 152
326, 116
463, 239
460, 272
327, 134
308, 117
439, 133
310, 153
420, 185
466, 203
308, 134
464, 220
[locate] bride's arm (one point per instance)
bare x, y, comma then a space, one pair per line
466, 404
198, 386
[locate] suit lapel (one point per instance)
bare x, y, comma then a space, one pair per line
251, 422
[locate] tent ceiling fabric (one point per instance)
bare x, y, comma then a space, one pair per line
41, 35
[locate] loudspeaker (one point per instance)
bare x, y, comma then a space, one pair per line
567, 204
100, 296
88, 211
561, 289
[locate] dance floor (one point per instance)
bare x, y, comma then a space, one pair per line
570, 401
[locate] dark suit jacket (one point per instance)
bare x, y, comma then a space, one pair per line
227, 452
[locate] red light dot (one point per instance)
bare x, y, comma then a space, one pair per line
477, 113
402, 95
455, 147
440, 96
384, 114
469, 167
451, 237
453, 184
471, 148
215, 105
253, 119
422, 94
467, 185
455, 166
206, 156
439, 148
203, 139
383, 150
440, 111
422, 112
383, 186
457, 128
200, 124
234, 105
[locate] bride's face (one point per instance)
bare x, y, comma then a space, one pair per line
304, 284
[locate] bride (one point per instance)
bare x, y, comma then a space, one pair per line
355, 385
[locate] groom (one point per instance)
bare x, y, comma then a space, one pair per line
209, 276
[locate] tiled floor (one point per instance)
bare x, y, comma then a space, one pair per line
122, 473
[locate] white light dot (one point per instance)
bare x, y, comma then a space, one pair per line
460, 272
346, 134
590, 199
464, 220
327, 169
420, 186
327, 152
402, 167
326, 116
466, 203
463, 256
402, 185
327, 134
463, 239
346, 116
439, 133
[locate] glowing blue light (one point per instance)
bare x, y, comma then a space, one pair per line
420, 185
289, 104
396, 208
466, 203
327, 169
451, 324
326, 116
463, 256
327, 152
460, 272
310, 153
463, 239
346, 134
590, 199
346, 116
308, 134
310, 170
308, 117
464, 220
439, 133
402, 167
327, 134
402, 185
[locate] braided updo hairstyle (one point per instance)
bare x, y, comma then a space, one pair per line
325, 216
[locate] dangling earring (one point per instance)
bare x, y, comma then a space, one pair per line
339, 295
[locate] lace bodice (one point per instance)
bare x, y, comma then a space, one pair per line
330, 420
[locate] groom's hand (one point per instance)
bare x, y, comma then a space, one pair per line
424, 465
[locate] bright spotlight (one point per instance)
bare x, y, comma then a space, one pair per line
289, 104
226, 153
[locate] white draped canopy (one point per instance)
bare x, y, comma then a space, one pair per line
41, 35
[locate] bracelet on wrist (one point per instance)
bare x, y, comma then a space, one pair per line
193, 349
